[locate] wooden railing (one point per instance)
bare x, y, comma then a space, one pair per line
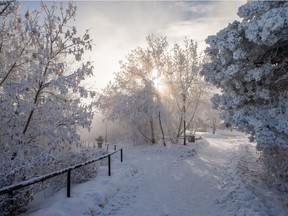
11, 188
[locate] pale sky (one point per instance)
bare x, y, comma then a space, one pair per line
120, 26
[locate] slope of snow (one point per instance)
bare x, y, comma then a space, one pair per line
88, 197
214, 176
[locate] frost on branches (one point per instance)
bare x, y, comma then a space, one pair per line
155, 89
186, 88
248, 62
132, 99
40, 91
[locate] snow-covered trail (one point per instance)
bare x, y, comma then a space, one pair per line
168, 185
214, 176
174, 181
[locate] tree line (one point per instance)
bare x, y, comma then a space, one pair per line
157, 93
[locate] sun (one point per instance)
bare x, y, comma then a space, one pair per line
157, 80
155, 77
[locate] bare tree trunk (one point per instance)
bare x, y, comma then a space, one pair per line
195, 128
145, 137
152, 132
32, 111
134, 138
179, 132
184, 122
41, 87
214, 125
162, 131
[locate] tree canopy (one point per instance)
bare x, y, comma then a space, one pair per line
156, 89
248, 62
40, 89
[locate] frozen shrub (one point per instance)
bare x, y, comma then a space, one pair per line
15, 203
275, 162
87, 172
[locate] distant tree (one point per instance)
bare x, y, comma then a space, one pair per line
209, 115
248, 61
40, 92
153, 88
132, 99
186, 86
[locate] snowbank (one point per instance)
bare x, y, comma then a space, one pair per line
86, 198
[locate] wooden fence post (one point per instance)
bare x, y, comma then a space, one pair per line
109, 165
68, 182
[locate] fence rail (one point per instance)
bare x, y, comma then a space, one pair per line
11, 188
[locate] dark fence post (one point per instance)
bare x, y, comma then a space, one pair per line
114, 147
68, 182
121, 153
109, 165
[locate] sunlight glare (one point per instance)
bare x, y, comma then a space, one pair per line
156, 79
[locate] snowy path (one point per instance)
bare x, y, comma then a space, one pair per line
170, 189
168, 185
171, 181
214, 176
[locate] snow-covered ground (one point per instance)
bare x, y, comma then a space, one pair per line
214, 176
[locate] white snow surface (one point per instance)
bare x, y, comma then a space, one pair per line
217, 175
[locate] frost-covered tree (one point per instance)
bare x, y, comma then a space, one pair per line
148, 93
40, 92
132, 98
209, 116
185, 85
7, 7
248, 62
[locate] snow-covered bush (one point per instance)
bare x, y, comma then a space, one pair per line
248, 62
78, 175
275, 162
87, 172
15, 203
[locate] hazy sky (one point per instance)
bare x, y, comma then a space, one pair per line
119, 26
